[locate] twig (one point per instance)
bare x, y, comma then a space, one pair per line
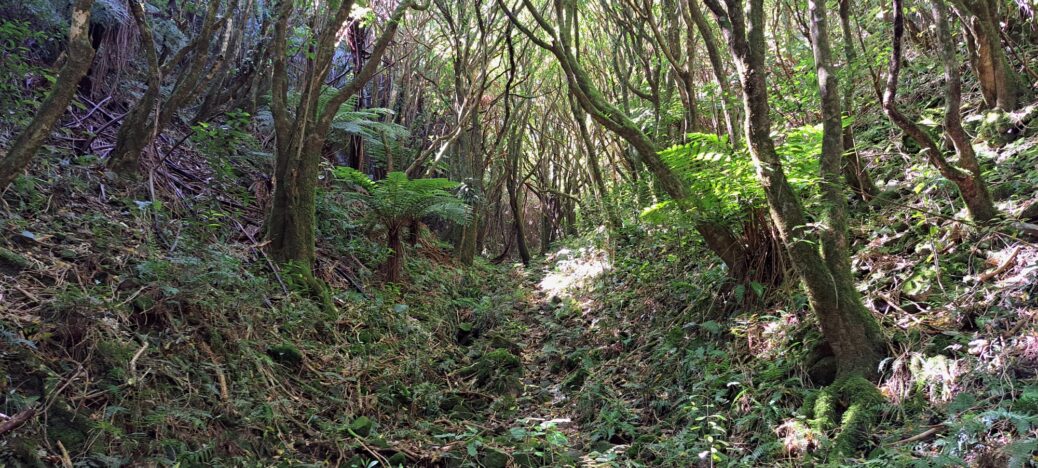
1009, 261
922, 435
255, 246
66, 460
221, 378
133, 361
17, 420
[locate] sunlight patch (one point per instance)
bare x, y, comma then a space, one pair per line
573, 269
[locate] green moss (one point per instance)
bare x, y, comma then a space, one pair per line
862, 401
575, 379
10, 259
498, 370
824, 409
286, 354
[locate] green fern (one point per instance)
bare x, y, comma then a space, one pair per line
397, 201
723, 177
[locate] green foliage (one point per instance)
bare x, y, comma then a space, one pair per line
723, 178
382, 137
224, 139
396, 200
17, 68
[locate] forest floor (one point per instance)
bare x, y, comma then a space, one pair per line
143, 325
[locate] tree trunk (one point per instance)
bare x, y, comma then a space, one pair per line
395, 263
717, 66
133, 137
857, 175
602, 111
124, 158
290, 227
998, 81
78, 59
966, 175
853, 334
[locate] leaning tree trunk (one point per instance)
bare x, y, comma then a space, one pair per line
853, 333
718, 237
966, 174
130, 142
78, 59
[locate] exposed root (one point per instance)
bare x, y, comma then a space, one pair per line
861, 401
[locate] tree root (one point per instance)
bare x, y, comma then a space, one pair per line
861, 401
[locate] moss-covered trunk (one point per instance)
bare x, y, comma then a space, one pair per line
79, 57
852, 332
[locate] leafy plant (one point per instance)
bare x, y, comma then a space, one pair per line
16, 67
396, 202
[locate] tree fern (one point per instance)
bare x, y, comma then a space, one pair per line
397, 201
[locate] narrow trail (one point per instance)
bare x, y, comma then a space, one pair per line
548, 379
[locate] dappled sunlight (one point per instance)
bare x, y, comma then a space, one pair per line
573, 269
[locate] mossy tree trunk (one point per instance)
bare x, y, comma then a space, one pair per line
139, 129
78, 58
853, 333
301, 135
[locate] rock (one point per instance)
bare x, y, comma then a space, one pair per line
1031, 212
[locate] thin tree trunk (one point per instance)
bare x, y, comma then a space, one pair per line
967, 177
717, 67
857, 175
998, 81
124, 158
395, 263
78, 59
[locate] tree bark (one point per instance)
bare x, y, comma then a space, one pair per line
852, 332
130, 142
602, 111
78, 59
395, 263
290, 227
857, 175
998, 81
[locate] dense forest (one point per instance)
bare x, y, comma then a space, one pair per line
510, 233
